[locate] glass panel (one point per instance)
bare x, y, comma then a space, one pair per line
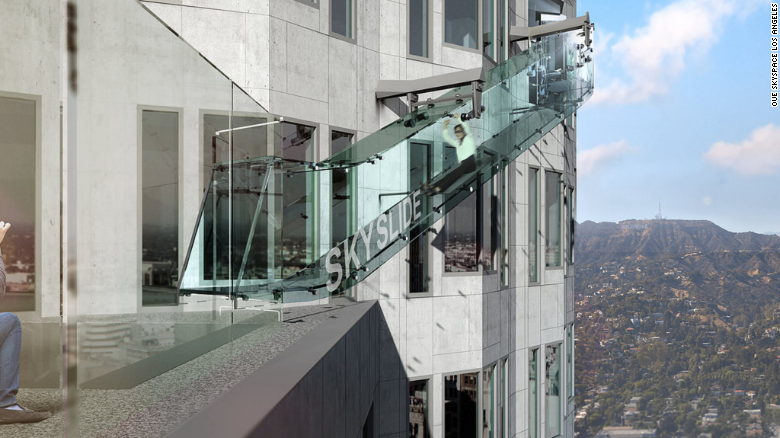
460, 405
533, 225
553, 390
553, 210
418, 28
341, 17
160, 207
504, 387
488, 40
460, 23
418, 409
18, 199
488, 403
460, 236
533, 394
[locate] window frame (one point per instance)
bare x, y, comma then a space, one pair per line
444, 42
443, 392
429, 42
39, 208
537, 187
537, 404
547, 228
561, 398
429, 248
353, 24
430, 391
180, 238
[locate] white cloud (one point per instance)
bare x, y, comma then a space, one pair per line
757, 155
655, 55
592, 159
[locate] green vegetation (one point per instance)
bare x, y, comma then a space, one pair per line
678, 339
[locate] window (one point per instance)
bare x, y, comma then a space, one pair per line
419, 27
220, 252
460, 237
18, 142
160, 207
460, 405
488, 401
570, 359
341, 19
552, 200
504, 390
418, 409
533, 225
488, 39
553, 390
488, 225
340, 189
421, 170
296, 228
572, 224
503, 233
544, 11
533, 394
461, 25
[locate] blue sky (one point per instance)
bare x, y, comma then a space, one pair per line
681, 113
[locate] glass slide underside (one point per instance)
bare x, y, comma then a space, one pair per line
282, 230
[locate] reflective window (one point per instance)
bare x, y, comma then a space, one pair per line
341, 17
544, 11
571, 225
339, 206
488, 40
460, 405
533, 225
460, 235
296, 228
570, 359
160, 207
552, 200
489, 223
553, 389
18, 201
418, 27
533, 393
418, 409
460, 23
503, 236
504, 389
488, 402
421, 170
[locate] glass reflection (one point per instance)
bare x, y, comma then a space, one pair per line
160, 207
18, 200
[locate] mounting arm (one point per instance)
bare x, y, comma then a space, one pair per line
412, 88
517, 33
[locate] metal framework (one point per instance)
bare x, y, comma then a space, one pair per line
411, 89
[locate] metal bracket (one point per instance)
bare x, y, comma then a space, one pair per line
528, 33
411, 89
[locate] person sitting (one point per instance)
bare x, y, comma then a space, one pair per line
10, 349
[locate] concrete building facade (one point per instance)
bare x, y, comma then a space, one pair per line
486, 348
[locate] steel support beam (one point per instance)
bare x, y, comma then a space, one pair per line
517, 33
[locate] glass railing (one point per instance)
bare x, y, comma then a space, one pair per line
382, 192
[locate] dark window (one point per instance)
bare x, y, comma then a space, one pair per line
461, 26
553, 209
160, 207
341, 17
418, 27
418, 409
533, 225
460, 405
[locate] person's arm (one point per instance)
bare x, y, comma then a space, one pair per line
3, 228
445, 133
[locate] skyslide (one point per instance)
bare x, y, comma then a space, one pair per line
277, 230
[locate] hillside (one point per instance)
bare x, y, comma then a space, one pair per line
676, 328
